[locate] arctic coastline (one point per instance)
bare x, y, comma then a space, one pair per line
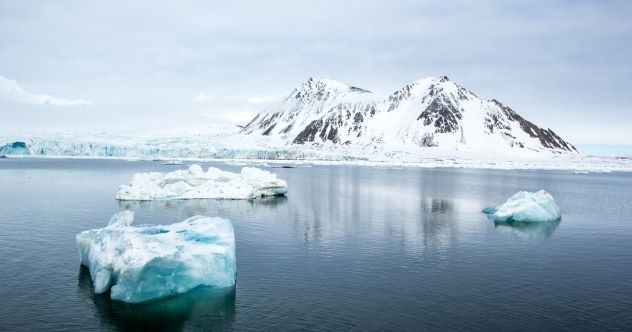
261, 150
577, 164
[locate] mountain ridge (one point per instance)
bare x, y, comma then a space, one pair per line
432, 112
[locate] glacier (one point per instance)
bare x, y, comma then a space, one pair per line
526, 206
254, 149
196, 183
141, 263
15, 148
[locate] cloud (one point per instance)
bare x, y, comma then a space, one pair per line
11, 90
229, 115
262, 100
202, 98
551, 61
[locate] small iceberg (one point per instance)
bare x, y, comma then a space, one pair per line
140, 263
196, 183
526, 206
172, 162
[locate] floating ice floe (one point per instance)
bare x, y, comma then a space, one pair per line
196, 183
172, 162
140, 263
526, 206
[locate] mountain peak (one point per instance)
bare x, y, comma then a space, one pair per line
431, 81
319, 89
430, 112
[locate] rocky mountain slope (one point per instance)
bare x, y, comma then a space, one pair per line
431, 112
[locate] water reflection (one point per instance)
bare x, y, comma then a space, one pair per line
438, 206
529, 230
203, 308
439, 219
378, 210
212, 207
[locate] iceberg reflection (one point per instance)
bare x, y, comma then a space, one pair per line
204, 308
211, 207
528, 230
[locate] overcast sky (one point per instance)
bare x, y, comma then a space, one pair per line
138, 66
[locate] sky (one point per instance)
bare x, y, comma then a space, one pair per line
146, 66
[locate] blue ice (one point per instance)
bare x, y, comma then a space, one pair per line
146, 262
526, 206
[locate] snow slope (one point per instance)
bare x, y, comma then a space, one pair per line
431, 112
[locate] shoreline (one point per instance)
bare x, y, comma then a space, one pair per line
575, 164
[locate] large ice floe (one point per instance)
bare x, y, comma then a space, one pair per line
526, 206
140, 263
196, 183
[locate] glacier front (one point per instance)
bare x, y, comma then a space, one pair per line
140, 263
196, 183
526, 206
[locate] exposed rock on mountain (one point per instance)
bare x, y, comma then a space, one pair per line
431, 112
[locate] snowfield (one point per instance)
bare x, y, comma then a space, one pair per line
237, 149
140, 263
194, 183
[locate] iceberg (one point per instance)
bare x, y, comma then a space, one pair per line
196, 183
173, 162
526, 206
140, 263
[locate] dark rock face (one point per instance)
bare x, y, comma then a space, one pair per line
348, 117
547, 137
356, 89
269, 130
442, 114
309, 133
269, 120
403, 94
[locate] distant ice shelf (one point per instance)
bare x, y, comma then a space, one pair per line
194, 183
526, 207
146, 262
255, 150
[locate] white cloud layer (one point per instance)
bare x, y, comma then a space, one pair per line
262, 100
562, 64
11, 90
202, 98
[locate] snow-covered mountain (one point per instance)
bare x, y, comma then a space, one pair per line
431, 112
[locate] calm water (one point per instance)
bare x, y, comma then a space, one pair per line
350, 248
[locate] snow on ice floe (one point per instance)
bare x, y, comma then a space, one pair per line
196, 183
140, 263
172, 162
526, 206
